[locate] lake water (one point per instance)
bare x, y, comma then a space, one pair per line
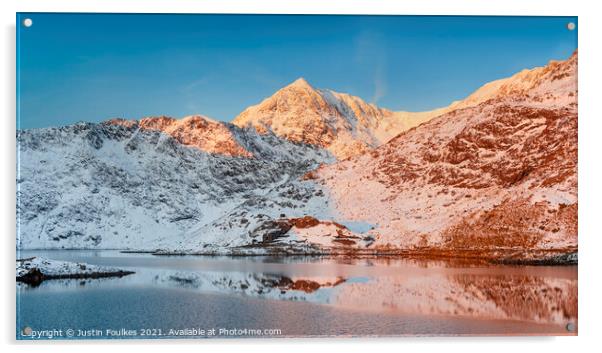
225, 297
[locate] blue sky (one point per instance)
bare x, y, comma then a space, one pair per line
90, 67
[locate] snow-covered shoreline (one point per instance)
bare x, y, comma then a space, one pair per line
35, 270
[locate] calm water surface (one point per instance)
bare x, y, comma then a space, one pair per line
275, 297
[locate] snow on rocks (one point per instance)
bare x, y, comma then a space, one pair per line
197, 131
120, 186
498, 175
37, 269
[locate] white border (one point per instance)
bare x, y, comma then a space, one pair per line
590, 177
430, 7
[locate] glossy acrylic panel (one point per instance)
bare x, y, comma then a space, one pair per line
254, 176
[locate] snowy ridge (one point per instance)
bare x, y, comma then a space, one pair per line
548, 85
551, 84
198, 131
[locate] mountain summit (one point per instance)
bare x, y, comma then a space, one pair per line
340, 123
301, 83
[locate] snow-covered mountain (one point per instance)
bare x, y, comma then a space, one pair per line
126, 184
494, 171
496, 174
347, 126
500, 172
343, 124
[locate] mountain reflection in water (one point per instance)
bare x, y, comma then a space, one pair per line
503, 299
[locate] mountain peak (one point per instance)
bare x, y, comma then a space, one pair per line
301, 83
338, 122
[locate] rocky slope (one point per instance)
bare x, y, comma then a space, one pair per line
125, 184
501, 174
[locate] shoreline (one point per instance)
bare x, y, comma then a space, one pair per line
552, 257
540, 257
36, 277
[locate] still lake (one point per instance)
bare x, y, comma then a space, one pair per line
225, 297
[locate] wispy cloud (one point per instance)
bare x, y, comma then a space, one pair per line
191, 86
380, 82
371, 52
